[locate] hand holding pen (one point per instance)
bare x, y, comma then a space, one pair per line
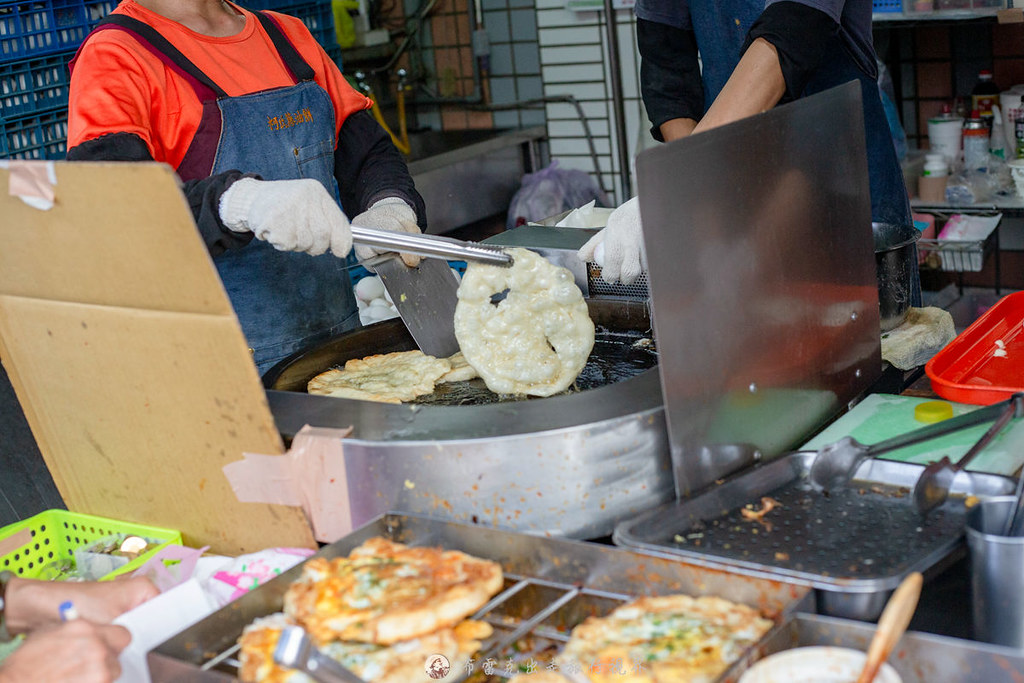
69, 639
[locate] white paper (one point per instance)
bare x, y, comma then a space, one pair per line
586, 216
961, 227
156, 620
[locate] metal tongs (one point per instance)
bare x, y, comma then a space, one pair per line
432, 246
836, 463
296, 651
932, 486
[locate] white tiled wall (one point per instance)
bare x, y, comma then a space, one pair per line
574, 61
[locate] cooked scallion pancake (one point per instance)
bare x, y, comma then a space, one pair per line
461, 370
386, 592
400, 662
664, 639
387, 377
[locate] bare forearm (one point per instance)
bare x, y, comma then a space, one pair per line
756, 85
677, 128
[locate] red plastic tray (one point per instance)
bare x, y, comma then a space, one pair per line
968, 370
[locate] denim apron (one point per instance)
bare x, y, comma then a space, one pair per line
285, 301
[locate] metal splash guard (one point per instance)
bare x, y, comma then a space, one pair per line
762, 276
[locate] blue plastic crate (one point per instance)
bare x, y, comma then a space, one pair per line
35, 84
97, 9
317, 15
29, 29
887, 6
42, 135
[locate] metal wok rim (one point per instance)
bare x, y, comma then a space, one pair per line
410, 422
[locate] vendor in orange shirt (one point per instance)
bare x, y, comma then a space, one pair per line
271, 143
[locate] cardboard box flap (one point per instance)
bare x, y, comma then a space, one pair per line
129, 361
119, 234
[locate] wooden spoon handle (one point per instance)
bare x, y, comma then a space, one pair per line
891, 625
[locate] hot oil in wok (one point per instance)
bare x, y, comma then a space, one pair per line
616, 356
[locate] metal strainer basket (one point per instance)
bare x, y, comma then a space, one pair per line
599, 288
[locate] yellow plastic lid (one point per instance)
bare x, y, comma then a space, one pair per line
933, 411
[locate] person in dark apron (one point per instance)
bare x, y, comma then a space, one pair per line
271, 169
707, 63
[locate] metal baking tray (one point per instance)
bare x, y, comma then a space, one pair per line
918, 657
854, 545
550, 586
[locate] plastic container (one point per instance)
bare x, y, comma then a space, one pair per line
969, 370
935, 164
815, 664
944, 134
975, 142
51, 538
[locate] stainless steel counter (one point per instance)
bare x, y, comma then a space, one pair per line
468, 175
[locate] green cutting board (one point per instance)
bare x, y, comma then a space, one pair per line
881, 416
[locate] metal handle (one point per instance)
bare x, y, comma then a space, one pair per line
1011, 408
953, 424
434, 246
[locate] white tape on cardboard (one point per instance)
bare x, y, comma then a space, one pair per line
33, 182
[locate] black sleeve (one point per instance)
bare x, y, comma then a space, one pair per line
203, 195
799, 34
368, 167
670, 81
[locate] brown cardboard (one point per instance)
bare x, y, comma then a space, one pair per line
128, 359
932, 188
1012, 15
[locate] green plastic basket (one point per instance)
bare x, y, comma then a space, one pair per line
56, 534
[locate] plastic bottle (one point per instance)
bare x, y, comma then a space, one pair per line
984, 95
997, 139
935, 165
975, 143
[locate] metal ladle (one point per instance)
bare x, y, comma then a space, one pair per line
932, 486
835, 463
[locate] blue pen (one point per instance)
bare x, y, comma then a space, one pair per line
67, 611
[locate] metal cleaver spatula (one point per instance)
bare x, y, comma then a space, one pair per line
425, 296
295, 650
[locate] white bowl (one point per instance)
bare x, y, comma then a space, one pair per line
815, 665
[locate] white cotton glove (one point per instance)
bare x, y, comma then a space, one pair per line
619, 247
390, 213
292, 215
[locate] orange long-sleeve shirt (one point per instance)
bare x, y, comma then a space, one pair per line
119, 87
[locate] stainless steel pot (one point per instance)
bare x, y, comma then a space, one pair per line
895, 259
